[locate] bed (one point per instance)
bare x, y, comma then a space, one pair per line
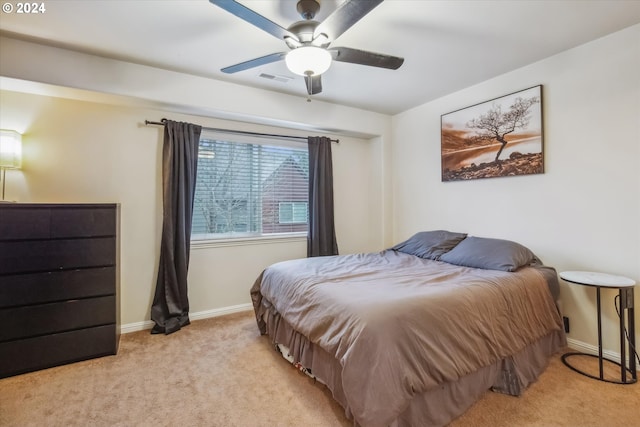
415, 334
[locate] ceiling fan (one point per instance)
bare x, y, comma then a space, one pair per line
309, 40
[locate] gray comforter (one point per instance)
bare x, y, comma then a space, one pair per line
400, 325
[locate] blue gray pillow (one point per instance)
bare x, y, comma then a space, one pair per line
430, 244
490, 254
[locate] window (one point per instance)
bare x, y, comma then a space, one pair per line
293, 212
246, 188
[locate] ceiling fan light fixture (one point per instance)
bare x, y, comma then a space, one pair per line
308, 61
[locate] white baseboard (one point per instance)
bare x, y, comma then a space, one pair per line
136, 326
148, 324
593, 349
221, 311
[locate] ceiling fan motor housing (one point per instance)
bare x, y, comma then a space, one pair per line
304, 30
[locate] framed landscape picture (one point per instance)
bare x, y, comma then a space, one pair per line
499, 137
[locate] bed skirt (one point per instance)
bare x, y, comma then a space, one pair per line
434, 407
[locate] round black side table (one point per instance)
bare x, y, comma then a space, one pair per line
625, 291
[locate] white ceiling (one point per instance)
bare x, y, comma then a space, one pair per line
447, 45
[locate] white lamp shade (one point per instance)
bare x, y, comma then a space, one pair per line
308, 60
10, 149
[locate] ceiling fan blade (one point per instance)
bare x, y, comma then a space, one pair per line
344, 17
268, 59
314, 84
254, 18
362, 57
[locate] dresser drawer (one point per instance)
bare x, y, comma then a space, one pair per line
17, 357
33, 320
27, 256
83, 222
21, 222
52, 286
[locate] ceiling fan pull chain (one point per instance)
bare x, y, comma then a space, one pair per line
309, 82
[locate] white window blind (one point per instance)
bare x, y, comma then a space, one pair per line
241, 187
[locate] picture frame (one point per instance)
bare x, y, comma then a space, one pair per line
499, 137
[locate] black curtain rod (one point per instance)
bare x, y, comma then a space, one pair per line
242, 132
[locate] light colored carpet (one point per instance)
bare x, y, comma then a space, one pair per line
221, 372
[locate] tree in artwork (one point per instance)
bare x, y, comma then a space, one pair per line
496, 124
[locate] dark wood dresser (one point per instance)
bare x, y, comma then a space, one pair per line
59, 284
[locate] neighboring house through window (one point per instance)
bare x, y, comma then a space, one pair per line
249, 187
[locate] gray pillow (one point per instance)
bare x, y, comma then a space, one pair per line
490, 254
430, 244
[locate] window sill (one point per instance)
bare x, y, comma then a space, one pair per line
245, 241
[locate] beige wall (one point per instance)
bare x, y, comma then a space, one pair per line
583, 213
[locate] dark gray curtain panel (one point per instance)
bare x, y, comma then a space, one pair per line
170, 308
321, 240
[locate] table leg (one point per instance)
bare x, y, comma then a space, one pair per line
623, 343
632, 335
599, 334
